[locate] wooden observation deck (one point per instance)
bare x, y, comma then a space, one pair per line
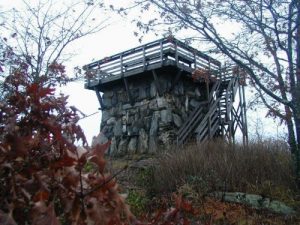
220, 114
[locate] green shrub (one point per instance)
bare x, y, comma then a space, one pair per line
138, 202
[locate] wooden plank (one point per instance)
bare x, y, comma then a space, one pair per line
244, 109
156, 46
190, 125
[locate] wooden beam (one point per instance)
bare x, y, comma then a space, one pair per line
102, 106
156, 81
130, 99
178, 75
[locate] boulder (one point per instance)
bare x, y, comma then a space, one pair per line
194, 103
143, 141
143, 93
105, 116
113, 146
132, 146
153, 134
166, 116
152, 90
126, 106
177, 120
118, 129
154, 125
122, 147
161, 102
255, 201
107, 102
178, 89
114, 99
164, 137
153, 104
111, 121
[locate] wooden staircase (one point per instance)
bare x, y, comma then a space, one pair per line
214, 117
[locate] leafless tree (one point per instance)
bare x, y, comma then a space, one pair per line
40, 31
265, 43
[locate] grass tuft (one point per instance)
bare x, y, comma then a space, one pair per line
263, 168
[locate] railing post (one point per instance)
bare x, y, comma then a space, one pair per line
144, 58
244, 110
195, 60
121, 64
176, 51
161, 52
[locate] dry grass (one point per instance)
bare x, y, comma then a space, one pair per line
260, 168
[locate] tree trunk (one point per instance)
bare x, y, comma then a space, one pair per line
296, 97
295, 148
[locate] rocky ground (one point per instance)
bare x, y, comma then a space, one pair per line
214, 208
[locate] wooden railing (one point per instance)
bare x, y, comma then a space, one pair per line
210, 122
198, 115
157, 52
214, 115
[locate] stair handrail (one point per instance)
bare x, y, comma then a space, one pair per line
191, 123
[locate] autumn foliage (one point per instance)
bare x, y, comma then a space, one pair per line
42, 171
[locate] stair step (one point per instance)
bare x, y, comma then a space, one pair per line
220, 102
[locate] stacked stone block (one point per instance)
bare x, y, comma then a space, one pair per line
151, 121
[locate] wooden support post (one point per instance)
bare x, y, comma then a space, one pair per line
99, 99
178, 75
207, 91
219, 114
130, 99
245, 115
231, 124
156, 81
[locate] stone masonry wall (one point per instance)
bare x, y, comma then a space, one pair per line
152, 121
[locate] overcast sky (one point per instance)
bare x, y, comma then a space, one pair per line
116, 37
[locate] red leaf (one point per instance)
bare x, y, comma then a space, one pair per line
33, 88
71, 179
41, 195
65, 161
46, 91
41, 214
97, 155
187, 206
82, 160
